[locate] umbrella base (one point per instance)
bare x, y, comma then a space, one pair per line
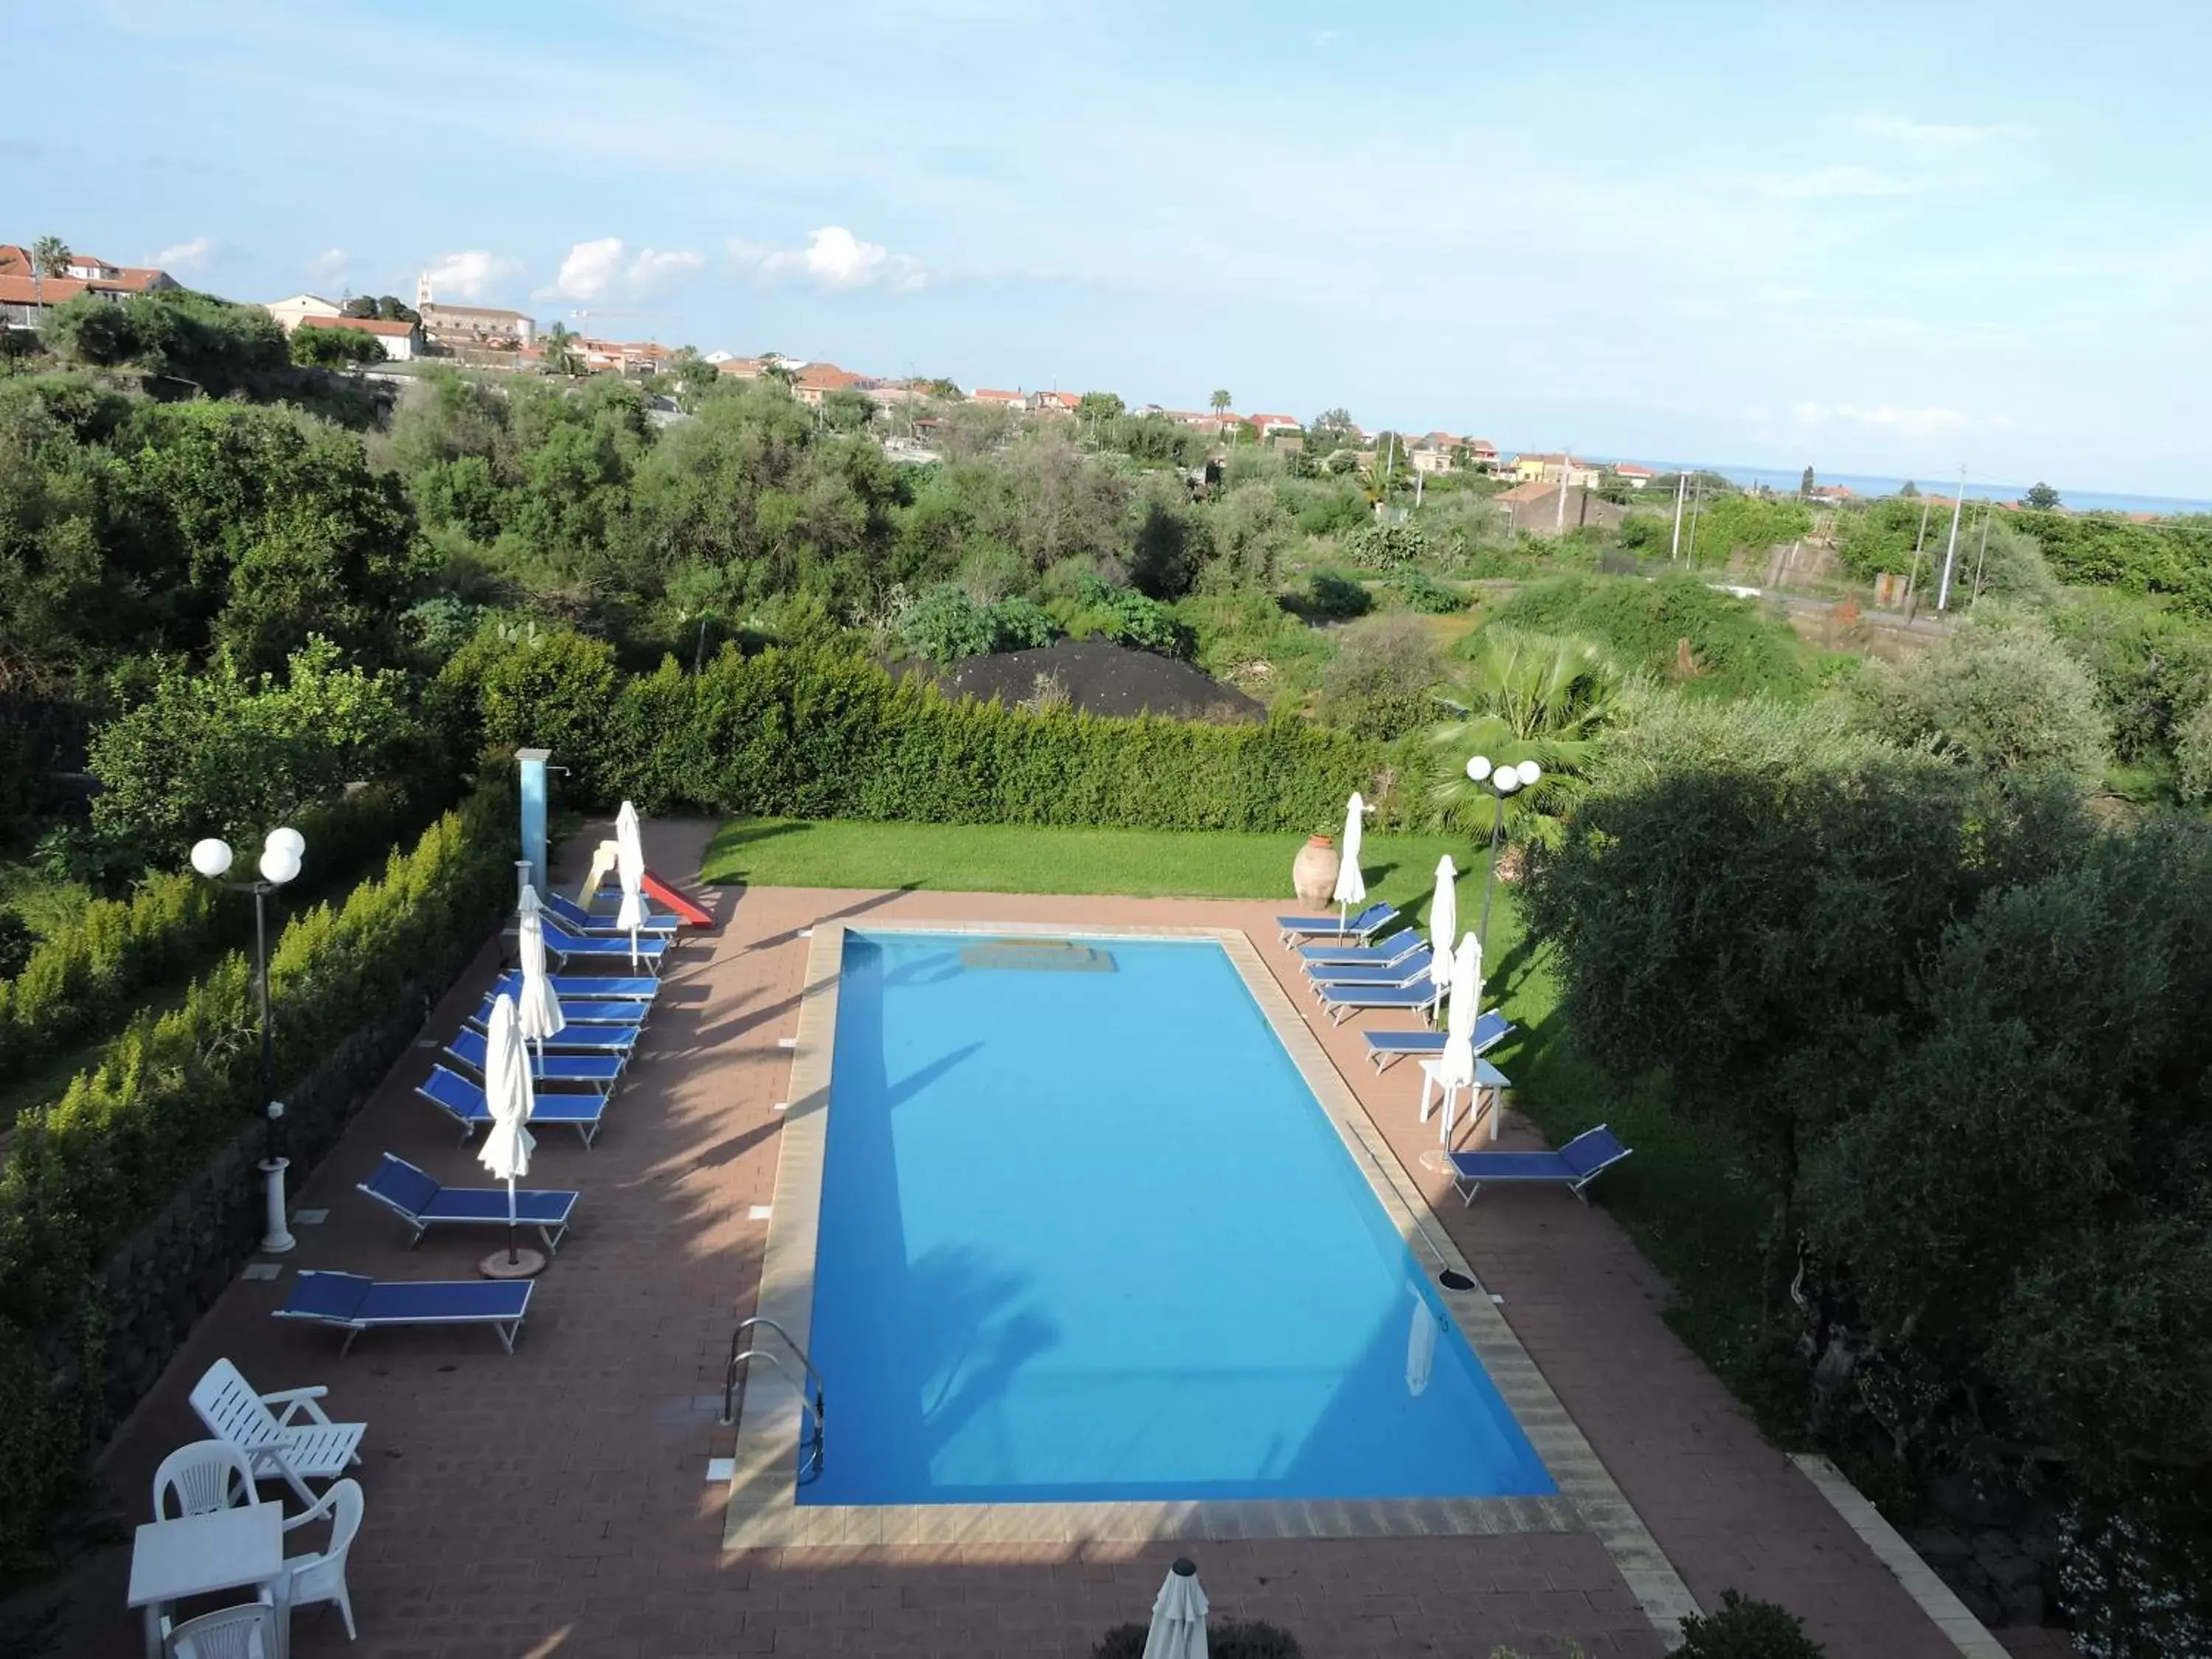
528, 1264
1437, 1162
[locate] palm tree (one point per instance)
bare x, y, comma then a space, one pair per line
50, 256
559, 355
1536, 697
1220, 401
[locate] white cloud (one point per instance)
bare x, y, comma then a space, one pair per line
834, 258
1826, 183
604, 266
195, 255
1929, 135
329, 263
1923, 423
589, 271
467, 275
653, 267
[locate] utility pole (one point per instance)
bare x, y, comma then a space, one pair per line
1697, 497
1912, 581
1951, 547
1982, 558
1681, 488
1566, 471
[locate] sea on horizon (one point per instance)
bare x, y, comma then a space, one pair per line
1785, 479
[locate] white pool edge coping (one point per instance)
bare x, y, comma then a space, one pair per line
763, 1510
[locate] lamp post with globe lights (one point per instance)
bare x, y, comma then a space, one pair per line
280, 854
1502, 780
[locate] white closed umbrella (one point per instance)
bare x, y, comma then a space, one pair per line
1455, 1071
1351, 887
538, 1011
1178, 1628
629, 868
1420, 1348
1443, 925
508, 1094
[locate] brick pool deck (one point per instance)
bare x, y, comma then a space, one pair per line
554, 1502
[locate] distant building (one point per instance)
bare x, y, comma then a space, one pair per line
1556, 469
1635, 476
1535, 507
997, 399
401, 341
455, 328
26, 295
1271, 426
1052, 403
290, 313
1830, 494
816, 380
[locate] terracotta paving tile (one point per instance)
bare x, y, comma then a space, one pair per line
552, 1504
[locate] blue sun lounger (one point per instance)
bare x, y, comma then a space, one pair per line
462, 1101
1491, 1029
577, 1037
355, 1304
1396, 948
1573, 1166
579, 946
1412, 970
617, 988
571, 914
469, 1047
421, 1202
616, 1011
1363, 927
1343, 1000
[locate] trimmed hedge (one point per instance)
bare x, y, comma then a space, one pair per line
813, 733
174, 1090
88, 978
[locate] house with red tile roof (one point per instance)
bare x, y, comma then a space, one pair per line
401, 341
27, 294
1052, 403
1268, 426
1635, 476
997, 399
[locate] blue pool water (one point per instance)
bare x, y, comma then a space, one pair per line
1088, 1235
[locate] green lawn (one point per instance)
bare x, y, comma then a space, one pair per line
966, 857
1678, 1197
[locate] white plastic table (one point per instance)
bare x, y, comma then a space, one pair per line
237, 1548
1488, 1079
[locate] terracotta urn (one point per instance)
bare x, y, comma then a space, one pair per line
1313, 873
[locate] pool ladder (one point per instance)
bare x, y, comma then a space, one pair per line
735, 1373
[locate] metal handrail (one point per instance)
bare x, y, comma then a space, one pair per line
818, 1407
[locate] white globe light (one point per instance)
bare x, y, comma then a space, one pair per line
279, 865
1529, 772
210, 857
1479, 768
289, 838
1507, 781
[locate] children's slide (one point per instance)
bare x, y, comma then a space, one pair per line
670, 898
687, 910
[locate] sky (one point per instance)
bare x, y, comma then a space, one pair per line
1878, 238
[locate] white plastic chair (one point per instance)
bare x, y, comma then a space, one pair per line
322, 1577
300, 1445
249, 1631
204, 1475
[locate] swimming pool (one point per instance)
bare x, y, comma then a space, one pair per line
1085, 1235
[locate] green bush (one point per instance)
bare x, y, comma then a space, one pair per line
84, 1172
1736, 649
814, 733
218, 753
89, 975
1330, 597
1427, 595
17, 941
1746, 1629
335, 347
1380, 546
1226, 1639
947, 624
1128, 617
2000, 697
